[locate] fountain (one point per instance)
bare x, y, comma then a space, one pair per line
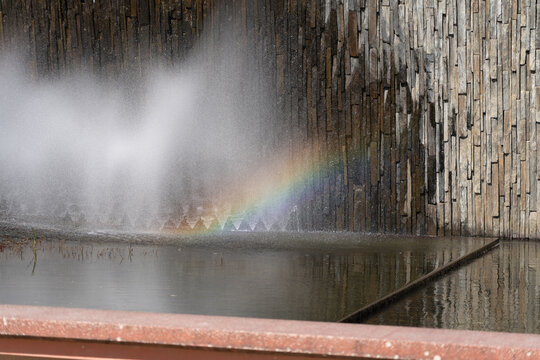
90, 153
260, 158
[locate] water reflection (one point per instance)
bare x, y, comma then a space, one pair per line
498, 292
323, 282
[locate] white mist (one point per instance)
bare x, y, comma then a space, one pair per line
103, 150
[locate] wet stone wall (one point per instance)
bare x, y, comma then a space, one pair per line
423, 113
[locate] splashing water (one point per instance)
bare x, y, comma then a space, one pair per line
194, 147
81, 148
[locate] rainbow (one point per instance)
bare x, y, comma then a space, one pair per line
274, 185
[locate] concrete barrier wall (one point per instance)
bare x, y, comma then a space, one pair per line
423, 112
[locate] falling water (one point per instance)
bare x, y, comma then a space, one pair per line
172, 143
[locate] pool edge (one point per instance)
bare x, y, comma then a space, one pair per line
52, 332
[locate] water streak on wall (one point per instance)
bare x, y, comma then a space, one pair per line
425, 110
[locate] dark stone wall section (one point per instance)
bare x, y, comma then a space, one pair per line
422, 112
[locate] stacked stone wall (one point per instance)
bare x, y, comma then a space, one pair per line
423, 112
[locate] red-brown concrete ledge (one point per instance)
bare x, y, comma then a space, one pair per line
46, 332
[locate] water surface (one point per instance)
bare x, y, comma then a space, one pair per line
499, 291
267, 275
